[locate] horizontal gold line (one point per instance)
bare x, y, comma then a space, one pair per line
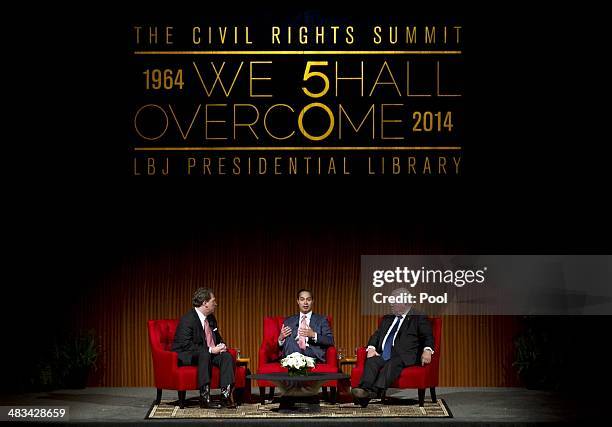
294, 148
297, 52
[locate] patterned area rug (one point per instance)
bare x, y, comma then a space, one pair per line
408, 409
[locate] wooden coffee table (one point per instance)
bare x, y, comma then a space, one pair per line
299, 388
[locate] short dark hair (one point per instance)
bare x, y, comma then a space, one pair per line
304, 290
201, 296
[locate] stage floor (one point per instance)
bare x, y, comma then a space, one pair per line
468, 405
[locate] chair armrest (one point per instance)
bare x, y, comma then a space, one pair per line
166, 360
233, 353
331, 356
362, 354
265, 352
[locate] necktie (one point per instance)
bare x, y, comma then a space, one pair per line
210, 341
302, 340
389, 343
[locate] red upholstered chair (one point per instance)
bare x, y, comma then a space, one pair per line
419, 377
270, 355
168, 375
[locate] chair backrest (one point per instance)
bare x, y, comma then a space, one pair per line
271, 328
161, 333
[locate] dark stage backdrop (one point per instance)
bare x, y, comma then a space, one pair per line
95, 247
255, 274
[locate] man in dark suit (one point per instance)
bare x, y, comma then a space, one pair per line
404, 338
307, 332
198, 342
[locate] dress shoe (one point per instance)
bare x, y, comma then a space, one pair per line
364, 393
227, 397
205, 401
363, 396
360, 393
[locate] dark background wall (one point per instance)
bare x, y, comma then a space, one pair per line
89, 246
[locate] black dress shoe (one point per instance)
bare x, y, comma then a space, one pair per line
205, 401
364, 393
360, 393
227, 397
363, 396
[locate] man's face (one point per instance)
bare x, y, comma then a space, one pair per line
398, 308
209, 306
305, 302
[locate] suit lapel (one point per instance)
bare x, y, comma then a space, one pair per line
386, 325
405, 325
197, 321
201, 327
313, 321
295, 324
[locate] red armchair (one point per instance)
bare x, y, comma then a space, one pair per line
270, 355
419, 377
168, 375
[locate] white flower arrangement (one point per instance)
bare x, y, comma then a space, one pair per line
297, 363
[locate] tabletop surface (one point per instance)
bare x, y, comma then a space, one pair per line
312, 376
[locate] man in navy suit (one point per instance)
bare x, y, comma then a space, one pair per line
307, 332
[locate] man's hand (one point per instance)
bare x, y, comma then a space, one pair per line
306, 332
284, 333
219, 348
426, 357
372, 352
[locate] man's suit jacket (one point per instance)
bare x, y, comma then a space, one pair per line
190, 337
320, 325
414, 335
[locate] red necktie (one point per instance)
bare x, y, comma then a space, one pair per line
210, 341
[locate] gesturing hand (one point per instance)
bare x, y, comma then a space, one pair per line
372, 352
284, 333
306, 332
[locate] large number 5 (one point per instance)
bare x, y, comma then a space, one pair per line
308, 74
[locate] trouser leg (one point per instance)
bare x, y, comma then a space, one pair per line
389, 373
226, 368
370, 371
291, 346
202, 360
308, 351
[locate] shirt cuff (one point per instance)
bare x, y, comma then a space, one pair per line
210, 350
370, 347
315, 337
430, 349
281, 342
